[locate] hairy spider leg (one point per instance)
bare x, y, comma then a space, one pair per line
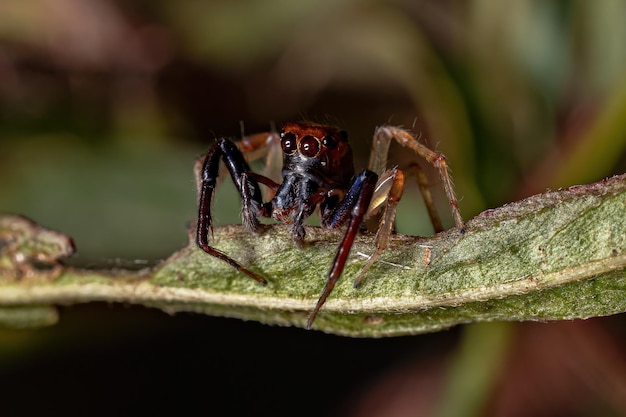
387, 195
248, 188
390, 187
351, 209
422, 183
385, 134
253, 147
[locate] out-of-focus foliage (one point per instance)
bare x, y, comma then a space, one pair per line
104, 105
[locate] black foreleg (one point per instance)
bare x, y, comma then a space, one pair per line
353, 208
248, 188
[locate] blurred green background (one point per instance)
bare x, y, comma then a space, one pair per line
104, 106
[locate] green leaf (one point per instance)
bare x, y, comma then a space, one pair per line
553, 256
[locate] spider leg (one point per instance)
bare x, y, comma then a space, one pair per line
264, 145
387, 194
352, 209
268, 182
248, 188
383, 136
253, 147
422, 183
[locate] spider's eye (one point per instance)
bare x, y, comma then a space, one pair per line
288, 142
329, 142
309, 146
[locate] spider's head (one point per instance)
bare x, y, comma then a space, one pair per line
319, 147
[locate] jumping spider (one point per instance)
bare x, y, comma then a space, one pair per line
318, 171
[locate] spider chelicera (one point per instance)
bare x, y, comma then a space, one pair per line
318, 171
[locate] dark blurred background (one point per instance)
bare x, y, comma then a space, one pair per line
104, 106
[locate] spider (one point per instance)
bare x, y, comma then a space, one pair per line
318, 171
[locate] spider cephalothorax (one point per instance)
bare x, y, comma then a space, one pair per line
317, 171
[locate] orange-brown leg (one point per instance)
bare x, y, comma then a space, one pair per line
387, 194
390, 187
382, 138
422, 183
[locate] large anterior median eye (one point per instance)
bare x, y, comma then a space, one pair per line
309, 146
288, 142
